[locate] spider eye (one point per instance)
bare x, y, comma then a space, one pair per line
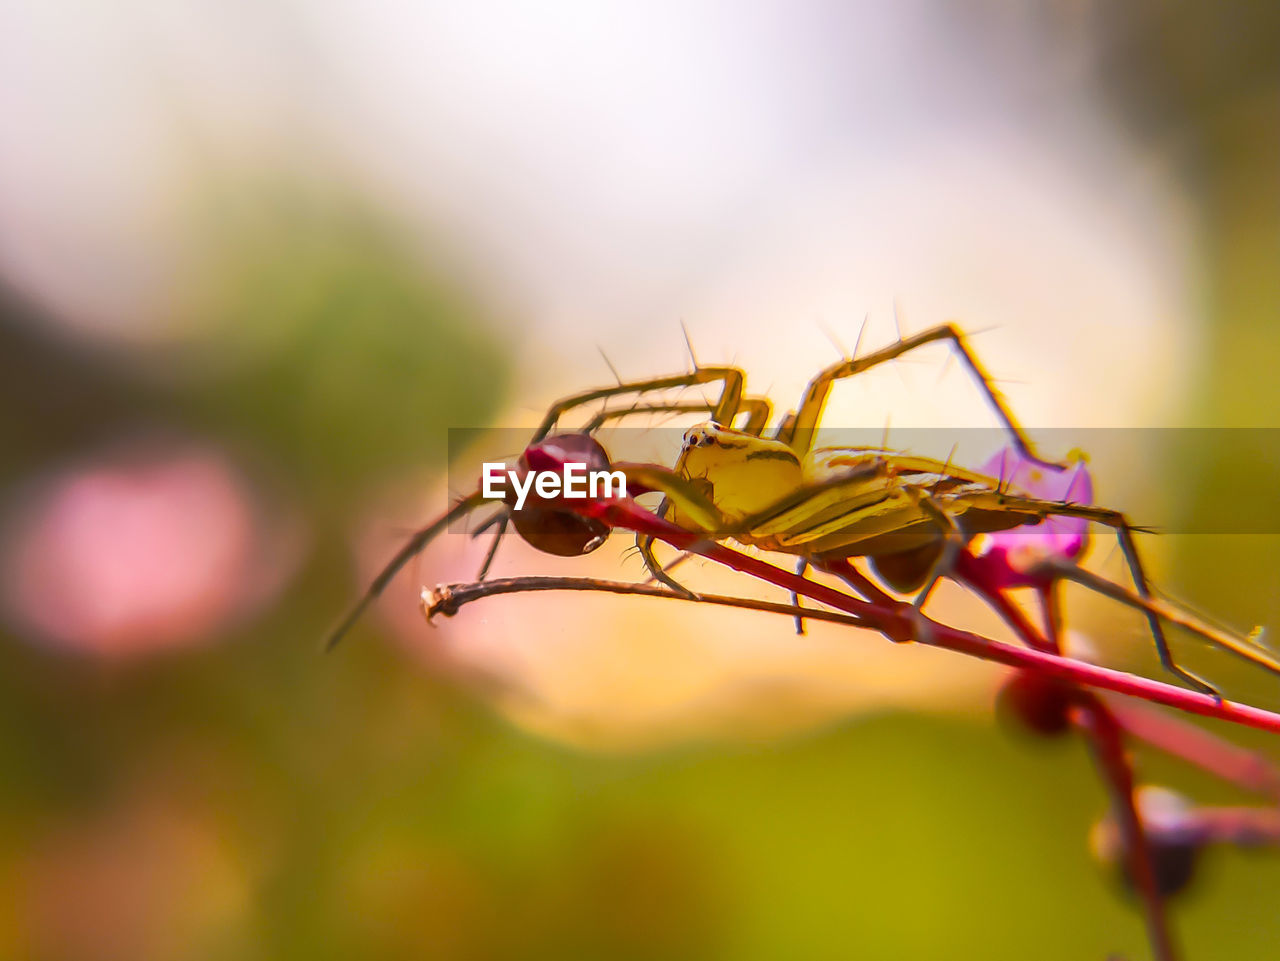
699, 437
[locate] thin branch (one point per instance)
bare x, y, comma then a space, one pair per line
1051, 665
448, 599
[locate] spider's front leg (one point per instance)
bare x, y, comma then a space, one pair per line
725, 408
685, 502
723, 411
757, 409
412, 547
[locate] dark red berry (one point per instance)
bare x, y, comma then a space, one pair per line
553, 452
1036, 703
565, 533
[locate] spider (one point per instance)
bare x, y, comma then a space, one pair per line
909, 516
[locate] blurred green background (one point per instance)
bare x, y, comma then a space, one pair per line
196, 429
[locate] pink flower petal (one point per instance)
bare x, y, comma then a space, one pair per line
1003, 559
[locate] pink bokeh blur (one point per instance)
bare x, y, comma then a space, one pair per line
160, 548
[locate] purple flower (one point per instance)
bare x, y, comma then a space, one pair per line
1005, 559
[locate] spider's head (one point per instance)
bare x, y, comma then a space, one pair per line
708, 434
746, 473
726, 442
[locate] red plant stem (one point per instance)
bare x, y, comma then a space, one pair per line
897, 624
1013, 616
1107, 740
1051, 609
1178, 738
1105, 734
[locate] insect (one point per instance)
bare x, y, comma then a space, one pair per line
909, 516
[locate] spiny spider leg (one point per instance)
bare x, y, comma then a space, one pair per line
799, 429
1124, 534
758, 409
726, 406
1196, 624
411, 548
723, 411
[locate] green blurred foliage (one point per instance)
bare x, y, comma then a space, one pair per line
348, 358
1200, 83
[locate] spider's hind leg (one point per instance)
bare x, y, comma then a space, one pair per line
1124, 534
798, 430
